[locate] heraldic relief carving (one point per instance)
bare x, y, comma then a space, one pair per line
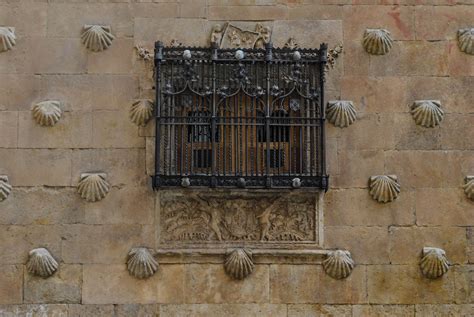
238, 218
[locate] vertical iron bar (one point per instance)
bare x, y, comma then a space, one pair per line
214, 114
268, 60
158, 59
322, 65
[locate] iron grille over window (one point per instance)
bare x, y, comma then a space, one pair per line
240, 118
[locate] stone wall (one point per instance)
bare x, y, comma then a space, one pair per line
91, 240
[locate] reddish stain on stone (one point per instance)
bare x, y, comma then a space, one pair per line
398, 22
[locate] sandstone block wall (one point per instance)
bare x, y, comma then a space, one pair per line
91, 240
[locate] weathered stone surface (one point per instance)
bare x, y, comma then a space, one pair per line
275, 12
74, 130
383, 310
193, 32
8, 129
375, 95
99, 280
136, 310
117, 59
441, 22
103, 243
399, 20
306, 310
171, 284
412, 58
302, 32
208, 283
63, 287
66, 19
29, 19
17, 241
404, 284
18, 91
373, 250
42, 206
104, 92
123, 166
302, 284
11, 284
357, 166
354, 207
70, 59
216, 310
410, 136
79, 310
39, 310
459, 63
45, 167
444, 170
112, 129
443, 207
443, 310
464, 283
381, 134
453, 123
413, 239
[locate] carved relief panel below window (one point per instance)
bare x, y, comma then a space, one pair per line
227, 218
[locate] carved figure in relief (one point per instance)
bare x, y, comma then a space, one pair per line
215, 218
265, 34
216, 34
264, 220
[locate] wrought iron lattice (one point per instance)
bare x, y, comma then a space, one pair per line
240, 117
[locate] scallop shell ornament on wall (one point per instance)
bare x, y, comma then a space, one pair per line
141, 112
466, 40
427, 113
468, 187
377, 41
41, 263
47, 113
434, 262
5, 187
97, 37
7, 38
338, 264
141, 263
93, 186
384, 188
341, 113
239, 263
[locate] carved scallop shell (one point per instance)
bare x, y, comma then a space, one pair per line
434, 262
41, 263
141, 112
341, 113
7, 38
466, 40
5, 187
47, 113
93, 186
377, 41
97, 37
338, 264
239, 263
427, 113
384, 188
468, 187
141, 263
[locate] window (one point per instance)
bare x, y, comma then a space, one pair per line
248, 118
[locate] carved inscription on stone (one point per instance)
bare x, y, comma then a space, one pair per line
230, 36
226, 217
